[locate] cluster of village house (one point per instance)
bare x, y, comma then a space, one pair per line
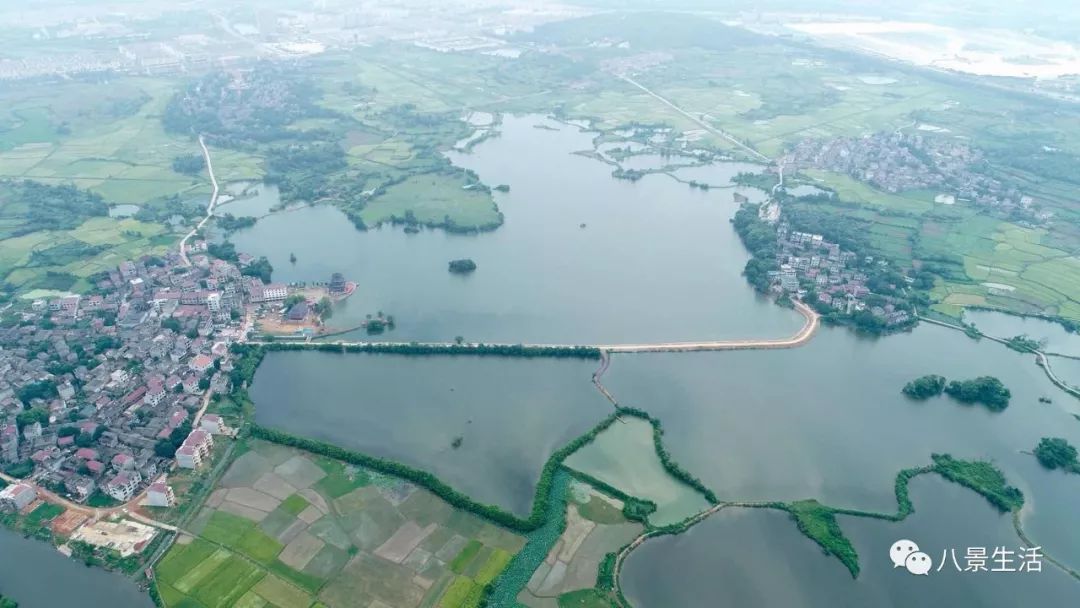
808, 260
116, 372
899, 162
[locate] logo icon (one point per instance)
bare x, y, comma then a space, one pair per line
906, 554
918, 563
900, 551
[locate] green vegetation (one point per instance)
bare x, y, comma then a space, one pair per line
464, 266
505, 589
465, 556
6, 602
987, 390
189, 164
1057, 453
1023, 344
925, 387
982, 477
605, 575
585, 598
818, 522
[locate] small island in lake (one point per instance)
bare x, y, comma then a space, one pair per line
464, 266
925, 387
1057, 453
987, 390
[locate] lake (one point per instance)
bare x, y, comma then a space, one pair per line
1000, 325
510, 413
656, 261
36, 575
788, 424
750, 557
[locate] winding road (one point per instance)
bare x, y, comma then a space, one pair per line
209, 206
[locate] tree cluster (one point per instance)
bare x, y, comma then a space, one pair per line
1057, 453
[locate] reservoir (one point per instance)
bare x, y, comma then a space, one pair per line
752, 557
510, 414
657, 260
36, 575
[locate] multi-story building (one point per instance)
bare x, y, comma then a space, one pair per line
123, 486
159, 494
16, 496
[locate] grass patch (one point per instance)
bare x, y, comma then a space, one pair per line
226, 529
294, 504
465, 556
181, 559
601, 511
494, 566
43, 513
460, 594
338, 482
281, 593
301, 579
228, 583
434, 199
258, 546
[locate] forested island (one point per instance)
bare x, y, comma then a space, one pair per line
1057, 453
462, 266
925, 387
985, 390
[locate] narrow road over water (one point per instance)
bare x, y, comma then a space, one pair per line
807, 331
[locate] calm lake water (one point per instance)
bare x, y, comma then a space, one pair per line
250, 199
35, 575
657, 260
787, 424
510, 413
1001, 325
747, 557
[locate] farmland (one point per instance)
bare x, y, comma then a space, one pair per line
284, 528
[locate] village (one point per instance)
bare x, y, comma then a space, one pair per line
838, 278
104, 397
900, 162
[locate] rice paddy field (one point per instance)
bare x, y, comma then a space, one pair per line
288, 529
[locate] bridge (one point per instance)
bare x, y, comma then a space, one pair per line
805, 333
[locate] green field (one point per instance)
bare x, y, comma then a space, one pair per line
293, 529
434, 198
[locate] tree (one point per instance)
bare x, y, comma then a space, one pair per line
986, 390
462, 266
189, 164
925, 387
165, 449
42, 389
172, 323
1057, 453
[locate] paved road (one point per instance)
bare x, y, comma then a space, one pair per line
92, 512
813, 321
209, 206
697, 120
